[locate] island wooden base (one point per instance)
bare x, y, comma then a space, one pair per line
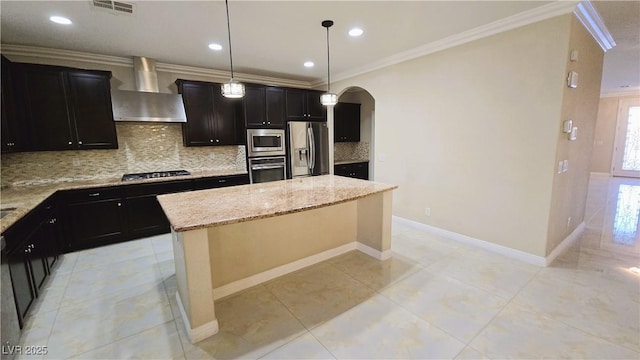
215, 262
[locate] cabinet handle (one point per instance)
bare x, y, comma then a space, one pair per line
79, 142
94, 194
210, 140
268, 122
52, 221
70, 143
222, 181
31, 246
217, 140
263, 123
119, 204
27, 250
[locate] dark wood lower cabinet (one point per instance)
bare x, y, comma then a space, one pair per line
32, 252
355, 170
90, 218
144, 213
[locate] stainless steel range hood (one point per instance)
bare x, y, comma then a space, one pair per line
147, 104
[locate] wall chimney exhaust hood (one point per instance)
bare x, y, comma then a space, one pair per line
146, 103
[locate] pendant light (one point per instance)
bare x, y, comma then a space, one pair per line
233, 89
329, 98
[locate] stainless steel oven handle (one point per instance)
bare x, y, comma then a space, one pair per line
266, 167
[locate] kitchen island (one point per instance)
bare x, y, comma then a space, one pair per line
226, 240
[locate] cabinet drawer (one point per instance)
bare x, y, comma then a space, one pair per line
94, 194
165, 187
220, 181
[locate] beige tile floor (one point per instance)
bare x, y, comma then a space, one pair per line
434, 299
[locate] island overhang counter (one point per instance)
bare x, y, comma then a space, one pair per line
229, 239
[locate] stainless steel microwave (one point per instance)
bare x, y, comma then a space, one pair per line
265, 142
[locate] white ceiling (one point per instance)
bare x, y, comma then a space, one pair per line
274, 38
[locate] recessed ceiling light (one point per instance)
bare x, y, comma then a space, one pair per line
356, 32
60, 20
309, 64
214, 46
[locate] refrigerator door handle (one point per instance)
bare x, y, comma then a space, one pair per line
312, 147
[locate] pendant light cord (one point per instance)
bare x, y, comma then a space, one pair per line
328, 64
226, 2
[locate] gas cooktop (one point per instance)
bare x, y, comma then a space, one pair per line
154, 175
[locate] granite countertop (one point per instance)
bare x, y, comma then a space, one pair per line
351, 161
215, 207
27, 198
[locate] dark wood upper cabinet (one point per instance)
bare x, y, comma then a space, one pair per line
264, 107
92, 110
346, 120
14, 130
66, 108
305, 105
212, 119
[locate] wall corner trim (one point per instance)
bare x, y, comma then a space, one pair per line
591, 20
482, 244
565, 244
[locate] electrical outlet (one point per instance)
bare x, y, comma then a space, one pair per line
427, 211
76, 162
212, 155
565, 165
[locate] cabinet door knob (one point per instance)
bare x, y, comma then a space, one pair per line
263, 123
119, 204
217, 140
80, 142
211, 140
70, 143
269, 122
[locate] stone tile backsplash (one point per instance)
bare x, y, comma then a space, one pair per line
142, 147
351, 151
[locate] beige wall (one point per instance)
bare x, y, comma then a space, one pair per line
569, 192
605, 133
471, 132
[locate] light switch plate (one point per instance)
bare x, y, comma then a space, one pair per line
572, 79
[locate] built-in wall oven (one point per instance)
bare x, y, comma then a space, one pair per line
269, 168
266, 152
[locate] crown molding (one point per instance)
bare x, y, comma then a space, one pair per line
544, 12
198, 71
629, 92
68, 55
591, 20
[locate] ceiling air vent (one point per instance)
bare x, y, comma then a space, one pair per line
113, 7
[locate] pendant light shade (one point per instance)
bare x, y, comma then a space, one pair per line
232, 89
328, 98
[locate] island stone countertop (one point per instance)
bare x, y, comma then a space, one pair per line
215, 207
26, 198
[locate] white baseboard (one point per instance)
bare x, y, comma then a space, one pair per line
600, 174
503, 250
565, 244
201, 332
271, 274
242, 284
377, 254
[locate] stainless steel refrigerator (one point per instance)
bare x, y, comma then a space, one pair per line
308, 148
